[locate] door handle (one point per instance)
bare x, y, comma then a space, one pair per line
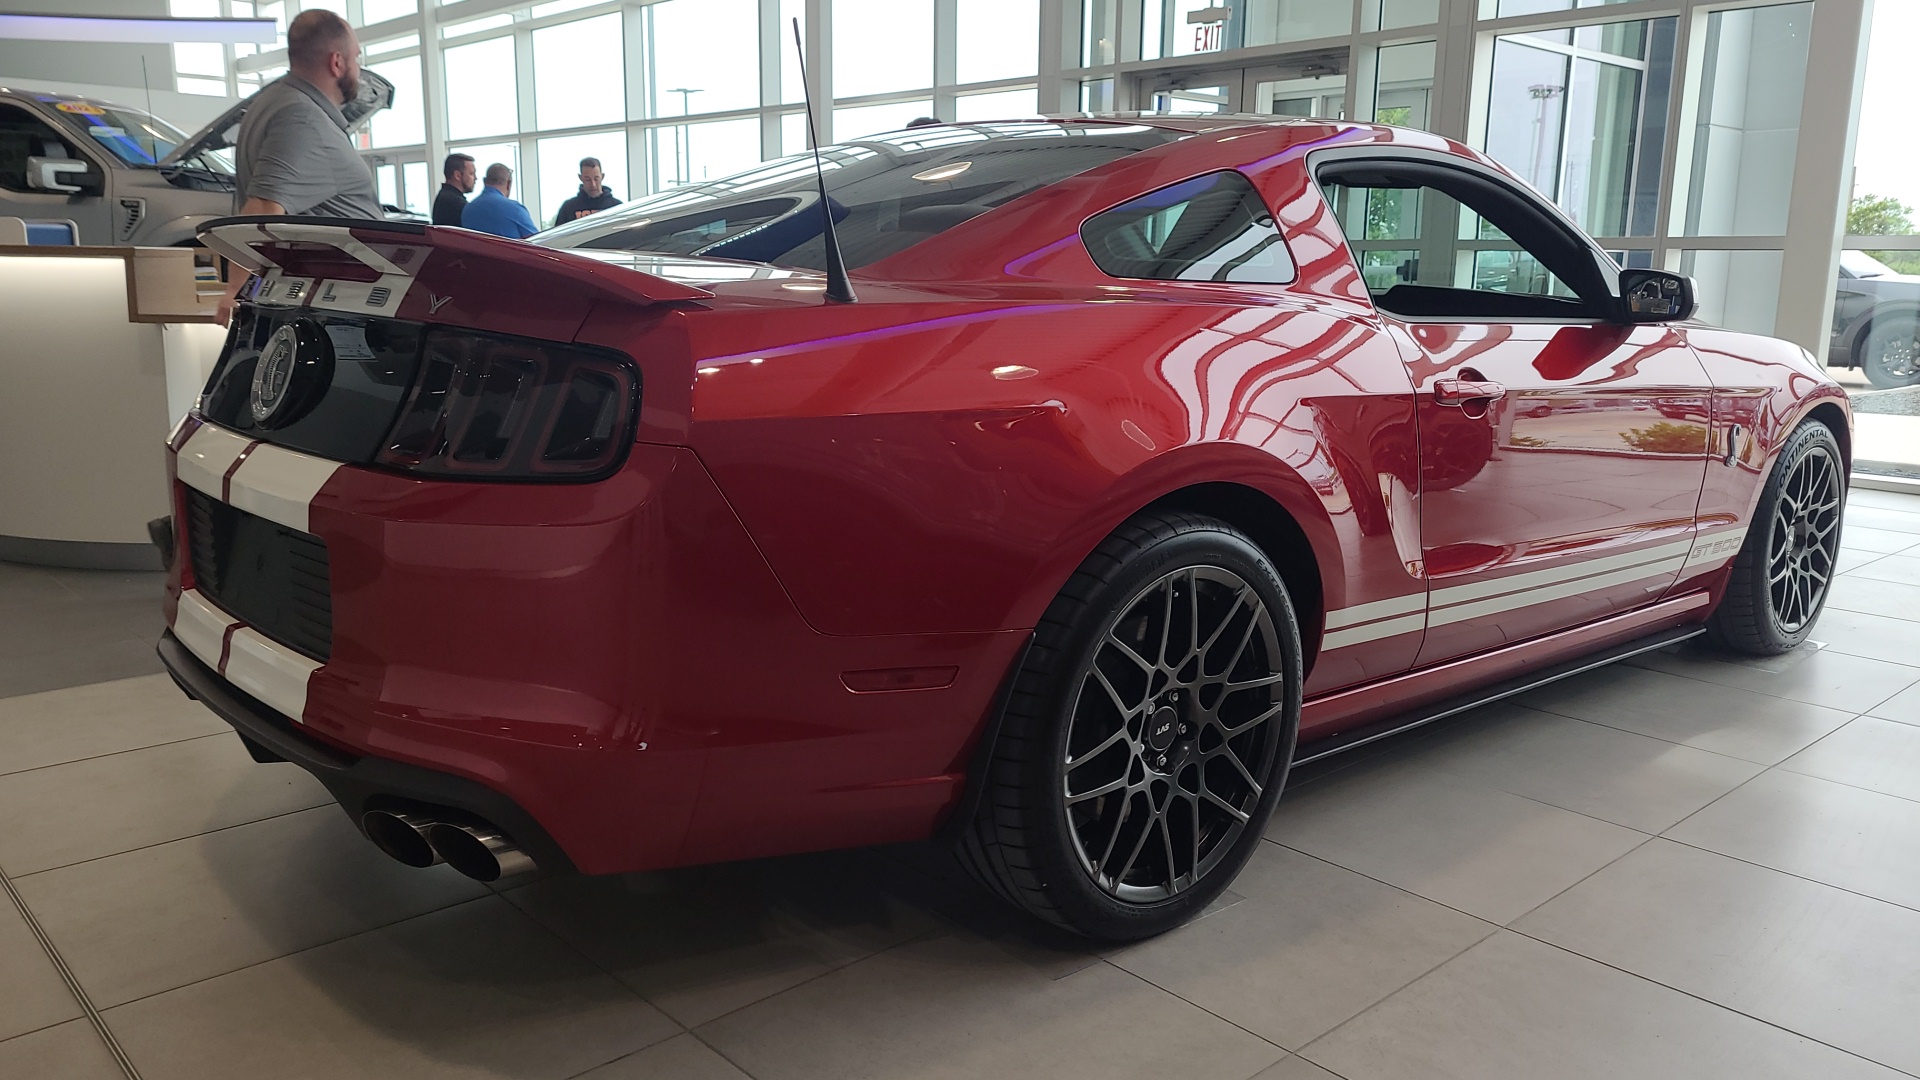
1459, 392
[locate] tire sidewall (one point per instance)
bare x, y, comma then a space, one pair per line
1082, 902
1753, 553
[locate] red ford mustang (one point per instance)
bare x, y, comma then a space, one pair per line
1151, 457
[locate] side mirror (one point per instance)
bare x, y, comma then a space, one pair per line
44, 174
1654, 296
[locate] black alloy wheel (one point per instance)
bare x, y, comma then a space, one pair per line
1890, 353
1148, 734
1784, 569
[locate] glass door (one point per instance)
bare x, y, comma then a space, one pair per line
404, 181
1304, 86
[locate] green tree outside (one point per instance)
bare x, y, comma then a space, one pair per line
1878, 215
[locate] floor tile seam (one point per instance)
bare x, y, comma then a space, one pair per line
581, 954
1802, 701
1647, 839
175, 840
1495, 786
1915, 908
67, 976
80, 1016
1675, 742
914, 940
1837, 605
1786, 766
1493, 929
118, 1005
112, 753
1720, 798
1177, 996
1722, 1006
1388, 884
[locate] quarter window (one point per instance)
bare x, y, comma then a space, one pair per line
1210, 228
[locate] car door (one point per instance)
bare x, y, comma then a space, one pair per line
1562, 454
27, 139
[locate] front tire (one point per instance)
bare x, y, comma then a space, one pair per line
1780, 579
1148, 734
1890, 353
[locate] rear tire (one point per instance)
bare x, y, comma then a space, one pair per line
1148, 733
1890, 353
1780, 579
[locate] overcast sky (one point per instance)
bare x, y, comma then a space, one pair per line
1887, 157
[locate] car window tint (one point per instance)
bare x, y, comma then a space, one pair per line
887, 193
23, 136
1422, 236
1210, 228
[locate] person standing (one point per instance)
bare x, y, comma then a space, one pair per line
293, 155
593, 197
492, 211
452, 201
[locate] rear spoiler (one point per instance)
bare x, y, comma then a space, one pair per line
425, 272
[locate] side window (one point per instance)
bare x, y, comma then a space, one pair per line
1433, 242
23, 135
1210, 228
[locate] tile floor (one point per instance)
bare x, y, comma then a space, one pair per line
1686, 866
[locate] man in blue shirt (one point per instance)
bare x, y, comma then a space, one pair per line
492, 212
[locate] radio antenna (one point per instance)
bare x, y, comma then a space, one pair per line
839, 289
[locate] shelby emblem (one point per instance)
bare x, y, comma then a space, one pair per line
291, 375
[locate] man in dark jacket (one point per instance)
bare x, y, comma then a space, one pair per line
452, 201
593, 198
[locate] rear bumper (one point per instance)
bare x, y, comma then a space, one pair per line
359, 782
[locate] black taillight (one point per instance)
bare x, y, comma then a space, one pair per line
486, 407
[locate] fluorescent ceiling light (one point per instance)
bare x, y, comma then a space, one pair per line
136, 31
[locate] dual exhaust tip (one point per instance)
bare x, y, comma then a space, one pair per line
479, 851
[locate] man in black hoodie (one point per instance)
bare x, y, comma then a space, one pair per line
593, 197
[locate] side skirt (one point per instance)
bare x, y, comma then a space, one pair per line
1425, 714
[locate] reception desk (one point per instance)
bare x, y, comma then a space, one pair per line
101, 351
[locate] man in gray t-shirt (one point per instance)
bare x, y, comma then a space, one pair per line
293, 154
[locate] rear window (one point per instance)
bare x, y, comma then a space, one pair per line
887, 193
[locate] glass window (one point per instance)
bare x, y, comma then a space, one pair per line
338, 7
1583, 117
579, 74
204, 58
1200, 100
486, 154
1323, 96
387, 179
880, 46
482, 98
379, 11
1746, 123
410, 41
1188, 38
560, 168
695, 153
997, 39
1736, 289
405, 123
417, 186
1436, 242
1886, 157
23, 136
557, 7
895, 191
790, 88
1403, 85
793, 133
1272, 21
690, 75
1211, 228
1096, 96
1000, 105
864, 120
474, 26
1393, 14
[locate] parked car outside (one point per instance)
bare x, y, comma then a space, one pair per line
123, 176
1876, 321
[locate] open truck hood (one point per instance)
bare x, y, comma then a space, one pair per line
376, 93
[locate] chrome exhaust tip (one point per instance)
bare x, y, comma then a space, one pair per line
478, 851
403, 836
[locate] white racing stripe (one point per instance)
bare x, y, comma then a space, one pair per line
1411, 612
269, 671
279, 484
210, 451
201, 627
